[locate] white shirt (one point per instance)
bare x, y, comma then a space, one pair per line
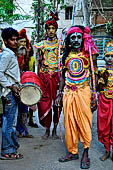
9, 70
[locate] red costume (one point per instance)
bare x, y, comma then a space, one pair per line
105, 102
48, 74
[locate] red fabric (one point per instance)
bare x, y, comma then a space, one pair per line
105, 121
49, 88
22, 34
73, 30
20, 59
30, 77
88, 42
52, 22
46, 122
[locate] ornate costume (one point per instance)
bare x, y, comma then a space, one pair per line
48, 73
105, 102
76, 101
49, 77
77, 59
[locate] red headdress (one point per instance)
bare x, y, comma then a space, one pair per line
22, 34
52, 20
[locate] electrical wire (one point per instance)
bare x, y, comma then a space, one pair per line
100, 11
101, 5
21, 8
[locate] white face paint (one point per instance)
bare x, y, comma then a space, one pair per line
109, 59
76, 40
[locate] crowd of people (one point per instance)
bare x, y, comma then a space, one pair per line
69, 79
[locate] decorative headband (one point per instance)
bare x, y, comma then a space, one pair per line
73, 30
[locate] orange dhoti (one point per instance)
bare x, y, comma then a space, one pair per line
77, 118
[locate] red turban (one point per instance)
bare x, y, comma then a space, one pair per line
22, 34
52, 21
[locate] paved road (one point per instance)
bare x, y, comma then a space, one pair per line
43, 155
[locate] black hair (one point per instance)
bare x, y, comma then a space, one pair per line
7, 33
67, 44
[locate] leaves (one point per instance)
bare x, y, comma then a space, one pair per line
7, 9
109, 26
44, 8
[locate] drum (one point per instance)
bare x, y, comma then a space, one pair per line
30, 92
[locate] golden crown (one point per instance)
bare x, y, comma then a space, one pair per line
109, 48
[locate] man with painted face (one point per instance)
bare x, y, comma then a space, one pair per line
48, 73
105, 102
77, 94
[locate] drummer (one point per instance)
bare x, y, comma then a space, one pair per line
23, 60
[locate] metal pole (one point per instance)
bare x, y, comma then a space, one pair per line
85, 12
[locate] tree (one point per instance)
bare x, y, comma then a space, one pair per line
42, 10
7, 9
8, 15
109, 27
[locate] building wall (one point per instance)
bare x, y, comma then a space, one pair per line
25, 9
63, 23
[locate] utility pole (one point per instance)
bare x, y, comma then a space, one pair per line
85, 12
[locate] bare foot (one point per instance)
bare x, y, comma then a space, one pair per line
54, 135
104, 157
46, 135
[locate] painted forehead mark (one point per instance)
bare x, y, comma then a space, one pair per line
75, 34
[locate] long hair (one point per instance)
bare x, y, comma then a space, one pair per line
67, 44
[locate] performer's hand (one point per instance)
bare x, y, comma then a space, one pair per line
58, 101
15, 90
33, 107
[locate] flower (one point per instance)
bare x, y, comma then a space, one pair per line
74, 88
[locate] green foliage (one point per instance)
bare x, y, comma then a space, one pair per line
7, 9
43, 13
107, 3
109, 27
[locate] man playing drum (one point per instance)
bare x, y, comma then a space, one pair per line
9, 81
48, 73
23, 60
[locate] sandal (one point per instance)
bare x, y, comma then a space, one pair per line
85, 164
28, 136
12, 156
25, 136
69, 157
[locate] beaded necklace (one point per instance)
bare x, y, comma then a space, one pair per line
52, 41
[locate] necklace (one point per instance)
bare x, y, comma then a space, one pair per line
52, 41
